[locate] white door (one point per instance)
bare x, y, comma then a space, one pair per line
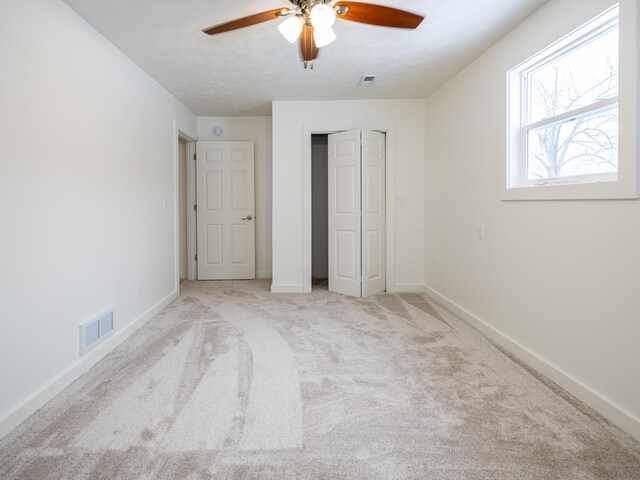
345, 266
225, 210
356, 213
373, 213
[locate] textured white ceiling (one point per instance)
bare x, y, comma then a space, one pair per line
241, 72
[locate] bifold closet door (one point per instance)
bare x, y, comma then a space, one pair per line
374, 229
356, 212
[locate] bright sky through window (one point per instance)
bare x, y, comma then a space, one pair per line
576, 79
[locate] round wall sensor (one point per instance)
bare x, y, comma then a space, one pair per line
217, 131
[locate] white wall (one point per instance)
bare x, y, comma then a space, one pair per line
404, 121
556, 282
258, 130
87, 160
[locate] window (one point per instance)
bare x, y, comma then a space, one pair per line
563, 110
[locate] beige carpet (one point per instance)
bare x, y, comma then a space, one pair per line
233, 382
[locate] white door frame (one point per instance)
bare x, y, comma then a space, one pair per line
191, 191
390, 131
192, 266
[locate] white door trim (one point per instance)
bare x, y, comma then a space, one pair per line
390, 131
192, 266
180, 135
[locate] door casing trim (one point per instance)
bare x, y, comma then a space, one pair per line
191, 192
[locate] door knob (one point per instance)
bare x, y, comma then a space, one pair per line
248, 217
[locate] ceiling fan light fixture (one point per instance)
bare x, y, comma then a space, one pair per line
322, 16
291, 28
323, 36
311, 21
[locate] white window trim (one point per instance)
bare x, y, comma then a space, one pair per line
624, 185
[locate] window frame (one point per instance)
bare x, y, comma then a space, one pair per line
624, 183
603, 25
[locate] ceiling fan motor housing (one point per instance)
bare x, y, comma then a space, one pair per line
308, 3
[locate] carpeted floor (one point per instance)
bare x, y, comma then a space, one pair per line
233, 382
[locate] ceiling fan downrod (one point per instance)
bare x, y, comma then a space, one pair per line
304, 8
308, 3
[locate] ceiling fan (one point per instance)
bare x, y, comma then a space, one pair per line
311, 21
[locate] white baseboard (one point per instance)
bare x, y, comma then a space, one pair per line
261, 274
407, 288
282, 288
605, 407
44, 394
298, 288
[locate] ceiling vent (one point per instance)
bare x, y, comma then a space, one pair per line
367, 80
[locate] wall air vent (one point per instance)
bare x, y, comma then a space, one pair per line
367, 80
94, 331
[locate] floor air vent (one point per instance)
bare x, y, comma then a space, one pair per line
94, 331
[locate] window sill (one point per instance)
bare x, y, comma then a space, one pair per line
574, 191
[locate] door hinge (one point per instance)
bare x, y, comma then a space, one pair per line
194, 156
195, 257
195, 207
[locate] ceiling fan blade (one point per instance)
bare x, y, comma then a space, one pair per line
379, 15
308, 49
245, 21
